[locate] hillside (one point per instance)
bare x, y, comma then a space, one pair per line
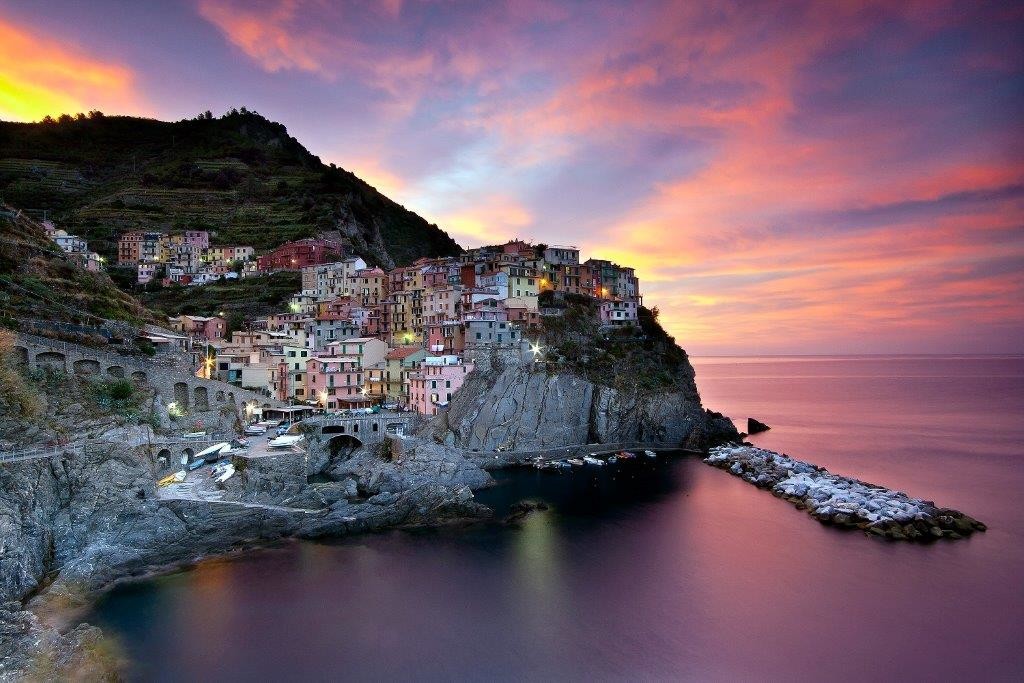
239, 176
39, 282
236, 299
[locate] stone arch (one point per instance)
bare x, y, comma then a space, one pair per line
21, 355
186, 455
115, 371
139, 377
165, 455
202, 398
86, 366
181, 394
220, 396
342, 446
231, 396
50, 358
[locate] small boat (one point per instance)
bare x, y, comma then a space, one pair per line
255, 430
626, 455
592, 461
285, 440
213, 452
561, 464
613, 459
196, 464
175, 478
575, 462
226, 474
650, 454
194, 435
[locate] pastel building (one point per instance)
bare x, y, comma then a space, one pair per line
434, 383
333, 378
367, 351
618, 313
211, 328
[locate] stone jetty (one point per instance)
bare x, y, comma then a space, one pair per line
843, 501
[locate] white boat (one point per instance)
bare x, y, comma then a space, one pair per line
592, 460
255, 430
650, 454
212, 450
613, 459
226, 474
574, 461
285, 440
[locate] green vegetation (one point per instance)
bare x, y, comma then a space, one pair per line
117, 396
236, 299
39, 282
240, 176
644, 356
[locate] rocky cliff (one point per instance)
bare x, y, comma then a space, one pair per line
514, 406
89, 512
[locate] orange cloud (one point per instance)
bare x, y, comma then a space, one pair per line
40, 77
490, 219
301, 35
264, 34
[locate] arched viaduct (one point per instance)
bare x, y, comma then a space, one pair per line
171, 383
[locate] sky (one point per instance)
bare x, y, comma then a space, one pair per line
786, 177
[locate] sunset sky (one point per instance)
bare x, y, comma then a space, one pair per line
788, 177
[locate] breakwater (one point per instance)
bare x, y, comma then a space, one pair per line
843, 501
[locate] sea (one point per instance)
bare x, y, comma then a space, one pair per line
653, 569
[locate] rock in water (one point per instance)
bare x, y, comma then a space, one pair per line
843, 501
754, 426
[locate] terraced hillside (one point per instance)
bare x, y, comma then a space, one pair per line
39, 282
239, 176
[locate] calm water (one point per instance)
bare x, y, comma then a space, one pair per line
658, 570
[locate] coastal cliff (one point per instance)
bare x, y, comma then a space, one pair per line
522, 406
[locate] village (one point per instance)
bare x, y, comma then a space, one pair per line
357, 337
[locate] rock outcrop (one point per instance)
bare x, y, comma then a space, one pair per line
755, 426
518, 407
843, 501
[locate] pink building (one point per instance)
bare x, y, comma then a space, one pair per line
330, 379
435, 382
341, 307
197, 238
446, 337
618, 313
209, 328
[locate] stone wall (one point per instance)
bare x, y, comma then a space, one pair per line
171, 383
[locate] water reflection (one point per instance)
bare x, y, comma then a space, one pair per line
656, 570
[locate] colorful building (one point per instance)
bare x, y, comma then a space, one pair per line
300, 254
